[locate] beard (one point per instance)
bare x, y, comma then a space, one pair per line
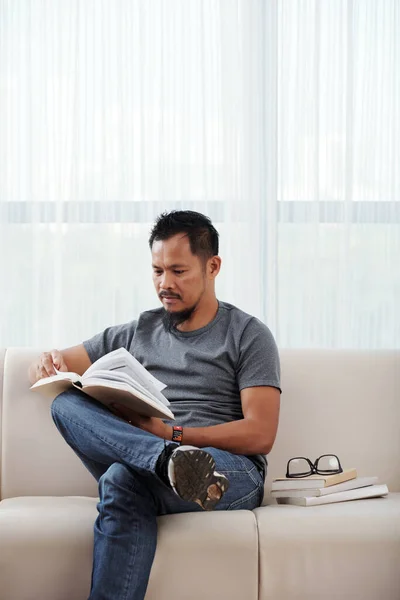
172, 320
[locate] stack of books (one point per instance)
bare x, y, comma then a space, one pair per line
324, 489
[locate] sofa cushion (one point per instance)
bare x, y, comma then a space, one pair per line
348, 550
46, 552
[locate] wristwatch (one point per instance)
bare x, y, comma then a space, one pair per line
177, 434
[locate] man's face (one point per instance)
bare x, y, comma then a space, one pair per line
178, 275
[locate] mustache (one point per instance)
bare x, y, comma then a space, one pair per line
169, 295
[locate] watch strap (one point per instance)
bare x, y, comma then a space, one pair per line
177, 434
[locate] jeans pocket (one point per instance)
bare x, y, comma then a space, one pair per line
248, 490
250, 501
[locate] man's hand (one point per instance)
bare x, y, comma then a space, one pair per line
74, 359
46, 365
151, 424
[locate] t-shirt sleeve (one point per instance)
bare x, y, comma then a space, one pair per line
258, 357
112, 338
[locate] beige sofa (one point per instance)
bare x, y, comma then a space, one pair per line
345, 402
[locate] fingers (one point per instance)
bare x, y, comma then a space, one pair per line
49, 362
58, 360
114, 409
41, 372
120, 411
46, 365
124, 413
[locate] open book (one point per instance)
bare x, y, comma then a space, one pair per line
116, 377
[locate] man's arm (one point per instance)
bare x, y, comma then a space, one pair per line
74, 359
254, 434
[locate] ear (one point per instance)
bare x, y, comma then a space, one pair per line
213, 267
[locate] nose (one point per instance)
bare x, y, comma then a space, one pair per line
166, 281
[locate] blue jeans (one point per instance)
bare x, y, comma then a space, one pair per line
122, 458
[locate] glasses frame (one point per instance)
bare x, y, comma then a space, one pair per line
313, 467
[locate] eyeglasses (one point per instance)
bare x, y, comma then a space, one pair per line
326, 464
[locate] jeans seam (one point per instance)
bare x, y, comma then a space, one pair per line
133, 547
249, 473
240, 501
254, 480
131, 554
228, 471
245, 466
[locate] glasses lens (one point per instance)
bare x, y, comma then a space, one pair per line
328, 464
298, 467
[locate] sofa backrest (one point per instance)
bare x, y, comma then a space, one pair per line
344, 402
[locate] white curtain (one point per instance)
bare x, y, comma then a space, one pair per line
279, 120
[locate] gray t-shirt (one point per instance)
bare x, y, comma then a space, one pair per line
205, 369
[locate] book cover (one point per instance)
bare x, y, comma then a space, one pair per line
358, 482
370, 491
312, 482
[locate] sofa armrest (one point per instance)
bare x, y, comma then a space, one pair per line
36, 460
2, 360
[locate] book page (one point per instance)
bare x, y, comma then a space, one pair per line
121, 361
108, 392
51, 387
115, 378
60, 376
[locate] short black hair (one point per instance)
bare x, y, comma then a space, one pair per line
202, 235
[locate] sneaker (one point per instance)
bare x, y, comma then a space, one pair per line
192, 476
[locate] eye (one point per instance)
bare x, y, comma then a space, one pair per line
157, 272
178, 272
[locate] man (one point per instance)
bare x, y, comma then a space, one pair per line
221, 367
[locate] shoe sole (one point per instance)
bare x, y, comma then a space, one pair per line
196, 480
